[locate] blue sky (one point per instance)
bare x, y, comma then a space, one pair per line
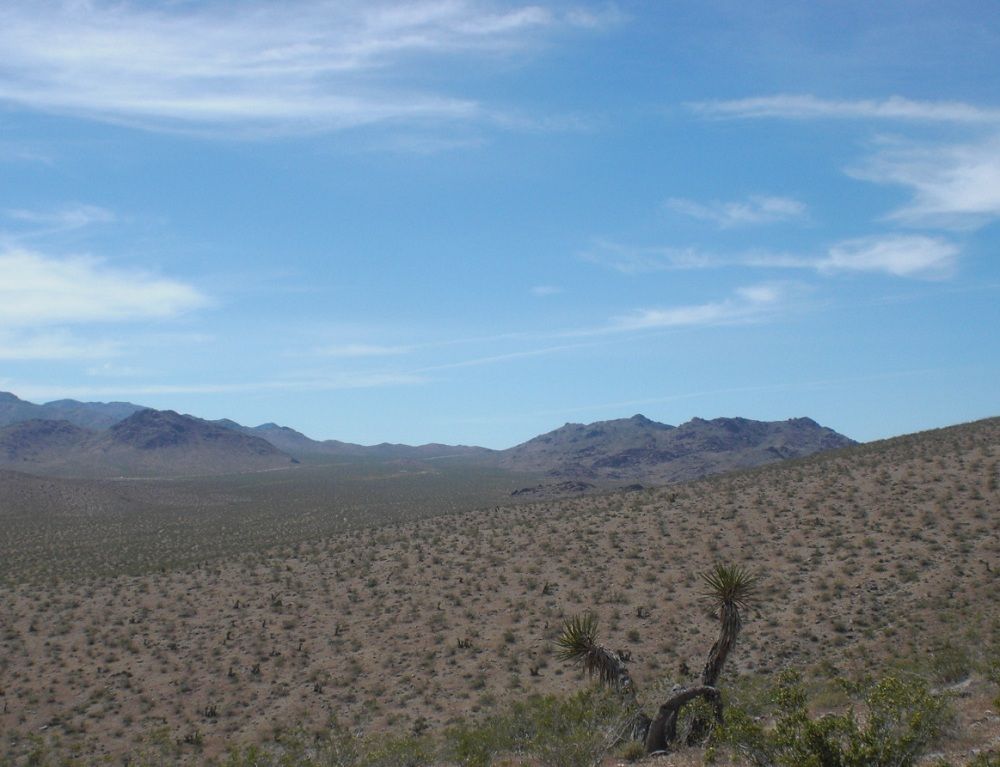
465, 221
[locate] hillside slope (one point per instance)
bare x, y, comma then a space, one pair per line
876, 557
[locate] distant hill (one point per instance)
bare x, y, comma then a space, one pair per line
639, 449
298, 444
120, 438
88, 415
146, 443
40, 442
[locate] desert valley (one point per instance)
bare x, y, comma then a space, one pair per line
180, 591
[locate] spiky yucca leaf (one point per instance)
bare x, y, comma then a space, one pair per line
729, 585
578, 644
578, 637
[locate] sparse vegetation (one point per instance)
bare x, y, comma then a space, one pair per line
419, 627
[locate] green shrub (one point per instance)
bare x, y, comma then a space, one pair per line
558, 732
335, 747
991, 759
951, 664
898, 721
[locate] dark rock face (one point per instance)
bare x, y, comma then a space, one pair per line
555, 489
637, 448
159, 429
35, 439
150, 429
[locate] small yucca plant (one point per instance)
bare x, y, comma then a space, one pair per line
578, 644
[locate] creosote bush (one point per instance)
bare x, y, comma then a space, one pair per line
335, 747
899, 718
575, 731
559, 732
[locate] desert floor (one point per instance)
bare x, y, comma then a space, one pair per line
881, 557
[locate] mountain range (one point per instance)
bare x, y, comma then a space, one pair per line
121, 439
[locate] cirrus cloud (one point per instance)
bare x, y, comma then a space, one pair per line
756, 209
255, 67
954, 186
809, 107
899, 255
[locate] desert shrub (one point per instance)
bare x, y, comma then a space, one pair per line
559, 732
951, 664
991, 759
899, 718
992, 670
335, 746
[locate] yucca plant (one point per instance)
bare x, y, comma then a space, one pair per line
730, 588
578, 644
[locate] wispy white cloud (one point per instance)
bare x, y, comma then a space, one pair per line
362, 350
914, 256
630, 259
596, 18
515, 355
299, 66
952, 186
542, 291
42, 290
756, 209
326, 383
19, 152
747, 304
114, 370
899, 255
809, 107
72, 216
26, 345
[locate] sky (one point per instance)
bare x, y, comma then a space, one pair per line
470, 222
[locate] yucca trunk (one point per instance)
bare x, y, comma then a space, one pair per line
729, 628
663, 729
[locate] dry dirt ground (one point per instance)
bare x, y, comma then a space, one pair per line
879, 557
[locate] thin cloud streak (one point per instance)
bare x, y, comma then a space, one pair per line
898, 255
809, 107
362, 350
25, 225
74, 216
910, 256
755, 210
747, 304
493, 359
332, 383
16, 346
